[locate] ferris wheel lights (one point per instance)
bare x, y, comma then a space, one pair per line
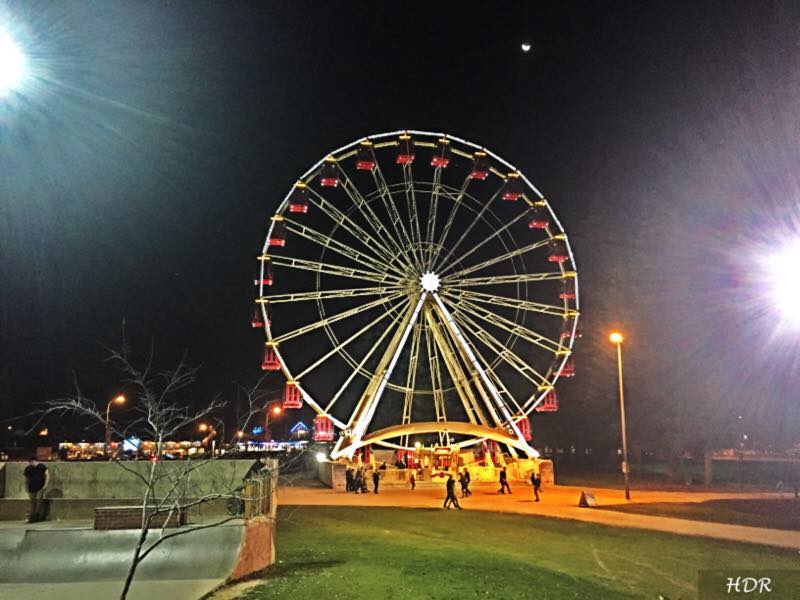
615, 337
512, 190
441, 157
558, 251
405, 155
568, 370
567, 289
539, 217
365, 158
278, 235
328, 173
430, 282
298, 200
480, 168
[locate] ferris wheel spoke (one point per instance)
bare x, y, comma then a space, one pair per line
328, 242
335, 318
547, 309
359, 368
503, 352
499, 403
517, 278
324, 295
330, 269
341, 345
394, 214
353, 228
508, 325
504, 391
432, 209
436, 380
465, 233
369, 215
457, 374
497, 259
411, 205
451, 218
411, 378
497, 232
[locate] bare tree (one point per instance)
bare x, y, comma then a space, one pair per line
160, 413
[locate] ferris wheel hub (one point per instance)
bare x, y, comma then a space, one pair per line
430, 282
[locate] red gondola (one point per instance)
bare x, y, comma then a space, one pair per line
569, 368
278, 236
549, 403
298, 201
264, 278
271, 362
566, 329
365, 157
539, 217
558, 252
480, 166
323, 429
329, 173
366, 453
291, 396
524, 424
405, 151
441, 158
567, 289
258, 319
512, 190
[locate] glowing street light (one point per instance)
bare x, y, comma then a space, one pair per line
616, 338
12, 64
275, 409
783, 282
203, 427
116, 400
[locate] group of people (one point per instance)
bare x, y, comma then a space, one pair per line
464, 479
356, 480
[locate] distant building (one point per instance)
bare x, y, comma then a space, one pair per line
299, 431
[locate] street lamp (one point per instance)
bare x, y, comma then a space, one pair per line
117, 400
275, 409
616, 338
784, 286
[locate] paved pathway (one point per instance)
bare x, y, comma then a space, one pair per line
559, 502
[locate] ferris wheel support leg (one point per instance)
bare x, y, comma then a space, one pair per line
451, 324
365, 409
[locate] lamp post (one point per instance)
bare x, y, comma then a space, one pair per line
117, 400
616, 338
275, 409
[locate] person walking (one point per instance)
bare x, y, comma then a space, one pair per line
413, 481
37, 477
467, 481
376, 479
463, 483
536, 482
504, 482
451, 494
359, 480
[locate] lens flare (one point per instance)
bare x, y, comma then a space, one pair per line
12, 64
783, 268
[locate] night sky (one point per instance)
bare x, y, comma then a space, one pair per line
140, 165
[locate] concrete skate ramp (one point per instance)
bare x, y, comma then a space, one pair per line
44, 556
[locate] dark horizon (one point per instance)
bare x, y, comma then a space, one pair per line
138, 175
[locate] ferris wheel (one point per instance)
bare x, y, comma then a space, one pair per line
415, 287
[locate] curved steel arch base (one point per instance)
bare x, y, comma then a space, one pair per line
349, 446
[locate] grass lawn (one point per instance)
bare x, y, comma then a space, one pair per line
351, 552
778, 514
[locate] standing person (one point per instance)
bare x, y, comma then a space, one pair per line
359, 480
348, 476
536, 482
504, 482
467, 481
37, 477
451, 494
413, 481
376, 479
463, 483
